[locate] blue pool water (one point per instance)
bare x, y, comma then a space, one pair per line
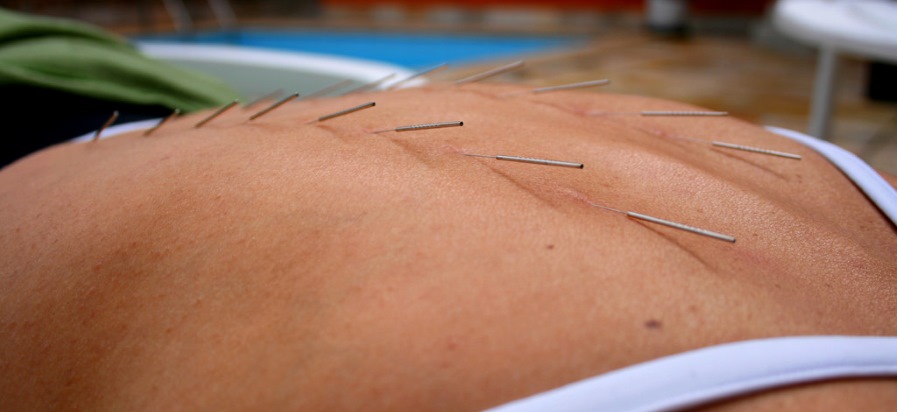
413, 50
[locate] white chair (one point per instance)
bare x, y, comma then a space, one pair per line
866, 28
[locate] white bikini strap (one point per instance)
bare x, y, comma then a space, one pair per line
719, 372
864, 176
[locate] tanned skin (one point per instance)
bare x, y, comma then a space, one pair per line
280, 265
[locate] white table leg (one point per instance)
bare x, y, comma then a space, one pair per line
823, 93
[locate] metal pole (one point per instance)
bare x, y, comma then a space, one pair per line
822, 106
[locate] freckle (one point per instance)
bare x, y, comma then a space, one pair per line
653, 324
97, 266
549, 247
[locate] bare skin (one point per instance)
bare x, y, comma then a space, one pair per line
279, 265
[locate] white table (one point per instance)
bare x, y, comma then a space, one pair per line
860, 27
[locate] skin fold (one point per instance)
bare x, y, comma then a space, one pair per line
278, 264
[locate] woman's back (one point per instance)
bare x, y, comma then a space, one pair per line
281, 264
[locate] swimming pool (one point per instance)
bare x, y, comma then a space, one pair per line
413, 50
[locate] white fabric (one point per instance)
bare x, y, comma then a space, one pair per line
719, 372
864, 176
254, 71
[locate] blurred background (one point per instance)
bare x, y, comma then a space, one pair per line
724, 55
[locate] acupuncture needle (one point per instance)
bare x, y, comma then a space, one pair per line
274, 106
344, 112
756, 150
669, 223
666, 113
545, 162
418, 74
105, 125
217, 113
422, 126
371, 85
716, 143
581, 85
164, 120
490, 73
681, 113
572, 86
